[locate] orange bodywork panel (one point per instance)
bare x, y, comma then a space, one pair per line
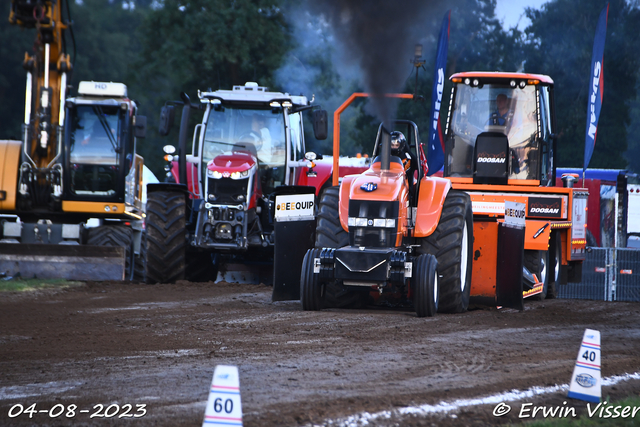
537, 241
9, 165
431, 197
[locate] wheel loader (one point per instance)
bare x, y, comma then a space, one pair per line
500, 144
71, 191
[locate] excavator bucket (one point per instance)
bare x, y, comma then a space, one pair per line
70, 262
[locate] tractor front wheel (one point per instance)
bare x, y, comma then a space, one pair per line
425, 279
311, 292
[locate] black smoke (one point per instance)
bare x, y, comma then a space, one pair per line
379, 37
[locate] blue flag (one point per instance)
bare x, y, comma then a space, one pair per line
435, 150
596, 81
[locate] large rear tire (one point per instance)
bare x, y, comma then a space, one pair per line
330, 234
425, 279
115, 235
452, 245
311, 292
329, 231
537, 262
166, 237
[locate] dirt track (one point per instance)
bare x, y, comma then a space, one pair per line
158, 345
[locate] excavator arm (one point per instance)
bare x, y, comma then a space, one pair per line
48, 68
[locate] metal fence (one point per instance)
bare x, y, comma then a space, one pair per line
608, 274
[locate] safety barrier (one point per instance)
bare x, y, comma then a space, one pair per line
608, 274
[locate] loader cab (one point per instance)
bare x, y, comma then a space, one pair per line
500, 128
99, 143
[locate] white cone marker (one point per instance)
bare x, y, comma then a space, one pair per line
585, 381
224, 407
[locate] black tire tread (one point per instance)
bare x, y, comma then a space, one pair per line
445, 245
311, 296
330, 234
329, 231
166, 237
426, 267
114, 235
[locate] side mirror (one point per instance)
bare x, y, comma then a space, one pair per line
320, 124
139, 126
167, 117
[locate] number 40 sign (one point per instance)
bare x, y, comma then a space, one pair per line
585, 381
224, 407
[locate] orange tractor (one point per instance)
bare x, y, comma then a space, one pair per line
440, 243
402, 234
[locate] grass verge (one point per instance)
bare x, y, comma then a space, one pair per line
25, 285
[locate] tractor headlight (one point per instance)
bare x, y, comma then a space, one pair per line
214, 174
240, 175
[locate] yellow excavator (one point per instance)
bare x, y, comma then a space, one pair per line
71, 191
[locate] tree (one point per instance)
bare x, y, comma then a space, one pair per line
205, 44
559, 43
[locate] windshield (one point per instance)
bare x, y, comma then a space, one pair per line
258, 131
494, 108
93, 149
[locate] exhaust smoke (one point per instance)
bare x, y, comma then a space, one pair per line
379, 37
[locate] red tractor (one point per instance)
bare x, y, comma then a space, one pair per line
222, 199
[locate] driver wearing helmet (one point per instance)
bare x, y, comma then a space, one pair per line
399, 149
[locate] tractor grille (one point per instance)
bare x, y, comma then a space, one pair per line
227, 190
372, 234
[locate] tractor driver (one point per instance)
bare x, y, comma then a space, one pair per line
499, 117
399, 149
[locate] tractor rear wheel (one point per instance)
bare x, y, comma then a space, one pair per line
329, 231
425, 288
311, 292
452, 245
330, 234
115, 235
166, 236
537, 262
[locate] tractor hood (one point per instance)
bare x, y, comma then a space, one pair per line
375, 184
227, 164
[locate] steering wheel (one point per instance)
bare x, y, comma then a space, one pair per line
253, 137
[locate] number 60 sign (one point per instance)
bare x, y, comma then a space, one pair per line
224, 407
